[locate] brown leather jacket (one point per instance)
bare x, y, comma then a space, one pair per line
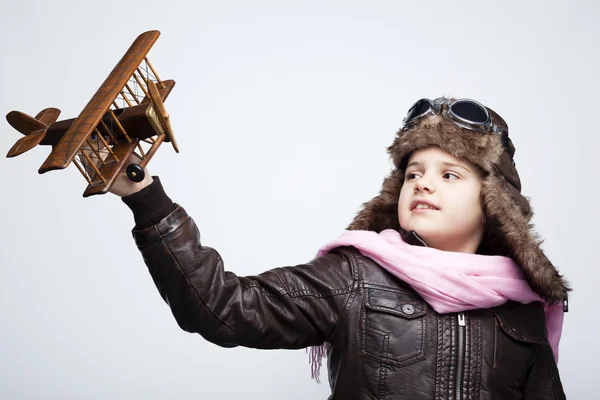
384, 341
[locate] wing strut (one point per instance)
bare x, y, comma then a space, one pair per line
154, 72
131, 93
114, 117
141, 85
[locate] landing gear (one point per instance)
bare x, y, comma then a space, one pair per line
135, 172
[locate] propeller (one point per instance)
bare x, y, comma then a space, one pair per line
162, 113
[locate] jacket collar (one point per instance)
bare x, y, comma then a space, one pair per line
412, 238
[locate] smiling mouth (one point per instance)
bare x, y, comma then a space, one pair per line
423, 207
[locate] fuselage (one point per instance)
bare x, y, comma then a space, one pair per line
133, 120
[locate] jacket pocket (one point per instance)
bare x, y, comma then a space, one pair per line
514, 354
393, 327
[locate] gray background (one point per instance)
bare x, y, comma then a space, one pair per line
282, 112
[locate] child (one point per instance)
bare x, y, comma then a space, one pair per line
438, 289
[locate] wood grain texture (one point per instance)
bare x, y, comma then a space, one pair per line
66, 149
110, 170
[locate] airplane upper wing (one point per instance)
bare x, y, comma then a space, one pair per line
66, 149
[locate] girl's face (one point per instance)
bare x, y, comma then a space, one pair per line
440, 200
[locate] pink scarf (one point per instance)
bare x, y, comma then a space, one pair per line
449, 282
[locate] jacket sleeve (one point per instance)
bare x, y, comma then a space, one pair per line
543, 382
288, 307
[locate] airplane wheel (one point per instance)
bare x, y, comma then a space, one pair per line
135, 172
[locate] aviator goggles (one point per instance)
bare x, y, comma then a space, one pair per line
465, 113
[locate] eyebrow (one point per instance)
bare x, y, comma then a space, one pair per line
418, 164
450, 165
414, 164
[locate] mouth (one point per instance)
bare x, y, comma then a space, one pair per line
419, 206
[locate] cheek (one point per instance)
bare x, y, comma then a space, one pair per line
467, 206
403, 201
403, 195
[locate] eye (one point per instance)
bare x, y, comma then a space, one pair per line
411, 176
451, 176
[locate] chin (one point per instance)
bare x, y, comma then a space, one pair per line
432, 234
427, 235
423, 228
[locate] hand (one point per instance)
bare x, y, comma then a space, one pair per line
122, 186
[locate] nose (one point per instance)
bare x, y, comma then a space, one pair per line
424, 184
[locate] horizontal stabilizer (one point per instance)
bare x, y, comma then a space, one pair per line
24, 123
27, 143
34, 129
48, 116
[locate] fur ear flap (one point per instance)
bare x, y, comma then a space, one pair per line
523, 244
381, 212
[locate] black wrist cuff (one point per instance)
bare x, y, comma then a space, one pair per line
150, 205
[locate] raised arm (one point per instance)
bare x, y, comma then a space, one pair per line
288, 307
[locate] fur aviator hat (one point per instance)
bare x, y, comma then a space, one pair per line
508, 230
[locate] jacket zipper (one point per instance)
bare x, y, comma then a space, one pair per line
461, 356
461, 343
419, 239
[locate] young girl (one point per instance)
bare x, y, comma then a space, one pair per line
438, 289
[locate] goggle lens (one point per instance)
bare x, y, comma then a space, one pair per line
420, 108
470, 112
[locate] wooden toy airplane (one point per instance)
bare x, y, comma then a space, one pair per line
126, 111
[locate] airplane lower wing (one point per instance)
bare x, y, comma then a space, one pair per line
111, 169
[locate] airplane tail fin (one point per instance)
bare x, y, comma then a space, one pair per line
34, 129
